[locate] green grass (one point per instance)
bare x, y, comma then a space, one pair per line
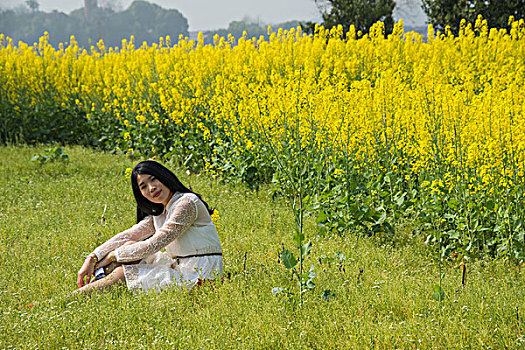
50, 219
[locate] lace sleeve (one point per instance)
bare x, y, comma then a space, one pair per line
137, 232
182, 217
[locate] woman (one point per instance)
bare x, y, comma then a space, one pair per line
173, 243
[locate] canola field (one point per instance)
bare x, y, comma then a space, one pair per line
367, 130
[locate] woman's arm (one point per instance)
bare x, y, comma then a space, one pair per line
137, 232
182, 217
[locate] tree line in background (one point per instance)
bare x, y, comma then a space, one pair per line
144, 20
148, 22
252, 27
107, 21
441, 13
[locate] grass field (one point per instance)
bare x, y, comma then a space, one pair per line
380, 295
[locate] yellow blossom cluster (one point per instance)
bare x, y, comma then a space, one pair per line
435, 102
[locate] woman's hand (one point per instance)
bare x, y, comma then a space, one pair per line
87, 270
108, 259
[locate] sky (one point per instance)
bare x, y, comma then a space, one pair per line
215, 14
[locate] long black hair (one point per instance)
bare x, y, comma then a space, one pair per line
168, 179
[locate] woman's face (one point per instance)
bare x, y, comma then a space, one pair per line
154, 190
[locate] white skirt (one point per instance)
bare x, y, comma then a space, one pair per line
159, 271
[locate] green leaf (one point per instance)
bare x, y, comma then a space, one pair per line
306, 248
453, 234
439, 293
381, 219
400, 200
298, 237
310, 284
388, 227
453, 203
289, 260
328, 294
306, 199
519, 237
321, 218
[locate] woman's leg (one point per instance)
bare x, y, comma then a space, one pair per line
116, 277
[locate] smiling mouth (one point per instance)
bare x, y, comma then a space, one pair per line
157, 194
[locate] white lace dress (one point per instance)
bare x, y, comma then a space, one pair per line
178, 247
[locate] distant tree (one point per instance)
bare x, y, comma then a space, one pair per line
115, 5
147, 22
361, 13
253, 29
442, 13
89, 7
33, 5
497, 12
8, 22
